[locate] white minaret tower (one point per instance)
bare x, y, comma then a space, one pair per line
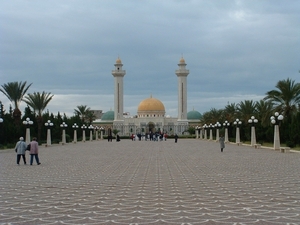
118, 74
182, 74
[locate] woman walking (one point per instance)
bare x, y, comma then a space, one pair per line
20, 150
34, 151
222, 142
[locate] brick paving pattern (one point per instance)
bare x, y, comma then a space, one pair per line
143, 182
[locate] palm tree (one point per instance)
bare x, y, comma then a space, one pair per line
287, 98
90, 116
264, 112
38, 102
230, 112
15, 92
82, 111
246, 109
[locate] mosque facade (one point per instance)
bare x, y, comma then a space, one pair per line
151, 113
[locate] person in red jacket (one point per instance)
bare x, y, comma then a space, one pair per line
34, 151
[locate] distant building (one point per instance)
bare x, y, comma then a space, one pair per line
151, 111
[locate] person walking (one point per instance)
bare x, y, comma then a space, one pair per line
176, 138
222, 142
21, 150
34, 151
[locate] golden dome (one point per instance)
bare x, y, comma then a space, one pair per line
151, 104
182, 60
118, 61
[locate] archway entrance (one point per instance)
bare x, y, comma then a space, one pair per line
151, 127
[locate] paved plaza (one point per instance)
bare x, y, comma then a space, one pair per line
143, 182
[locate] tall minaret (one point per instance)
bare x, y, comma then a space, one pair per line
118, 74
182, 74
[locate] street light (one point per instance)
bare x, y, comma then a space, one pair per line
201, 132
96, 129
205, 131
237, 123
197, 132
91, 132
48, 124
75, 127
253, 121
63, 126
226, 124
276, 120
1, 121
83, 127
27, 123
211, 132
101, 133
217, 126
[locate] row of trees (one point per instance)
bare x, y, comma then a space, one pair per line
12, 126
285, 99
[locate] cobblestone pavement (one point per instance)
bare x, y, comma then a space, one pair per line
143, 182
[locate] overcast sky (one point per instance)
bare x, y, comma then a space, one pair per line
235, 50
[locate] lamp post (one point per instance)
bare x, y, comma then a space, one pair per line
1, 121
83, 127
217, 126
211, 127
48, 124
91, 132
96, 129
101, 133
253, 121
63, 126
27, 122
197, 132
226, 124
205, 131
201, 132
75, 127
237, 123
276, 120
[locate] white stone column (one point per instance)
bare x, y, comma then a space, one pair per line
83, 135
27, 138
97, 137
226, 135
276, 137
48, 137
237, 136
91, 135
253, 136
63, 141
210, 134
75, 136
217, 135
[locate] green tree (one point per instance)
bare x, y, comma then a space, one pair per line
230, 112
90, 116
82, 111
246, 109
38, 102
15, 92
286, 98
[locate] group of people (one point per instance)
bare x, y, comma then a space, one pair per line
32, 147
150, 136
158, 136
